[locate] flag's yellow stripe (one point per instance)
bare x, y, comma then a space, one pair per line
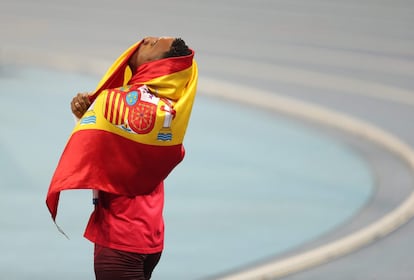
126, 115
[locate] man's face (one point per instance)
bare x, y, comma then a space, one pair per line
151, 48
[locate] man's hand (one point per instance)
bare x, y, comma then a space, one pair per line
80, 103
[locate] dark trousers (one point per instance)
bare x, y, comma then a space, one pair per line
113, 264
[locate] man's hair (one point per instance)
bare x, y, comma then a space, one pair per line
178, 48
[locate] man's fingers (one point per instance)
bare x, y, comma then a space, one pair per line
75, 107
80, 103
85, 103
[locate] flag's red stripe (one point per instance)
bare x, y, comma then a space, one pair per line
126, 168
122, 113
162, 67
106, 106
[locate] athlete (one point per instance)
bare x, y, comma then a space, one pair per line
154, 83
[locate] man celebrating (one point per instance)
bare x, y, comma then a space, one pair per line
128, 139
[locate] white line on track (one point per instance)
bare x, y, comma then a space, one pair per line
320, 80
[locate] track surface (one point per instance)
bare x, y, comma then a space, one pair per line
353, 57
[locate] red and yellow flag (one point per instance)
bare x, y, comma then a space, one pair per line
132, 135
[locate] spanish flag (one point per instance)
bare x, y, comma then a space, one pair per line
132, 135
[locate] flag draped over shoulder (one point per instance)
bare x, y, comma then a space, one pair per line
131, 137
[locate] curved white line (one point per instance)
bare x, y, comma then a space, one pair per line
329, 82
296, 108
